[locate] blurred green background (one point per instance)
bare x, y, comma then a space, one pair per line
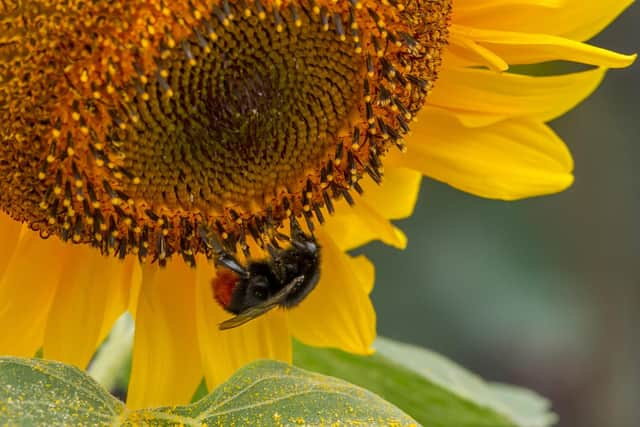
545, 292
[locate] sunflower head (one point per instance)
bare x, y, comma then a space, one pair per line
130, 126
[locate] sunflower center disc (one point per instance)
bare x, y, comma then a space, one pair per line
246, 117
146, 127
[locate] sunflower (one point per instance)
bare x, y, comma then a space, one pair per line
127, 127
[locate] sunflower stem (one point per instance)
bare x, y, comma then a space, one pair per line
113, 356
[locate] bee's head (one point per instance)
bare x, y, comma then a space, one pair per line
250, 292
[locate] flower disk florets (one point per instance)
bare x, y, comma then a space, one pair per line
132, 126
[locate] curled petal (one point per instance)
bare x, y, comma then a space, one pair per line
532, 48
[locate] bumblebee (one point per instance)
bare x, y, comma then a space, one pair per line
284, 279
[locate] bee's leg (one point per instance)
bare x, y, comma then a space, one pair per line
299, 239
274, 251
220, 255
276, 255
296, 231
229, 261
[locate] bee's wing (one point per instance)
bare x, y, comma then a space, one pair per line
260, 309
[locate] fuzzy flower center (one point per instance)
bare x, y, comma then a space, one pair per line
133, 126
249, 115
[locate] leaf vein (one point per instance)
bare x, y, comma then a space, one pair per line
270, 401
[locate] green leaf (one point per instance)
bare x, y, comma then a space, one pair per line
429, 387
39, 392
271, 393
522, 407
527, 407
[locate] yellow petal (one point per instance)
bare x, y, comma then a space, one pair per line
92, 293
481, 97
166, 367
123, 286
396, 197
368, 219
223, 352
9, 233
134, 291
463, 51
361, 223
338, 313
575, 19
507, 160
531, 48
27, 288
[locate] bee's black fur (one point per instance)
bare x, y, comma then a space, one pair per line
284, 279
266, 278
